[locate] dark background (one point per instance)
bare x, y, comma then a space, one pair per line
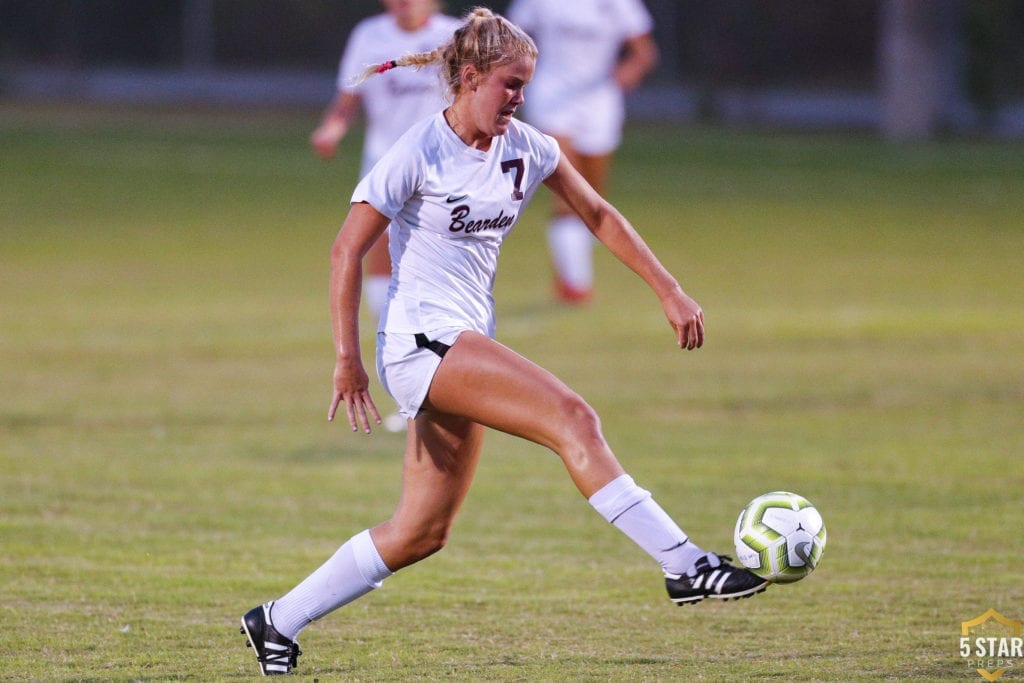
710, 48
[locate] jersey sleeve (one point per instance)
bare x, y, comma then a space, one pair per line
549, 154
635, 19
392, 180
386, 187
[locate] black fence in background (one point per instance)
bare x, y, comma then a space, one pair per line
721, 59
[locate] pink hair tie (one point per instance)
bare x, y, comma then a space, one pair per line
386, 66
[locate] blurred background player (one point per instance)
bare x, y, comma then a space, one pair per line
392, 102
592, 53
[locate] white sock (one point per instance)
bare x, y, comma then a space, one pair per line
354, 570
375, 292
572, 248
634, 512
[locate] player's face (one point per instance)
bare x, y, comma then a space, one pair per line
499, 94
410, 14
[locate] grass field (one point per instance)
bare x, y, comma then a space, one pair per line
165, 359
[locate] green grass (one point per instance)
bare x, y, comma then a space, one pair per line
165, 359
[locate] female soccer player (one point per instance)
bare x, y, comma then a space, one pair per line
391, 104
591, 53
451, 190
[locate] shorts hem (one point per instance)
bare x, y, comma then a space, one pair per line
411, 369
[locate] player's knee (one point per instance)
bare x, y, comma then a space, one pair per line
579, 424
429, 544
582, 418
423, 541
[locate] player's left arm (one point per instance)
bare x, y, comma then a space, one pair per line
617, 234
639, 57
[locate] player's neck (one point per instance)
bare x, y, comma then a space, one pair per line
472, 137
412, 23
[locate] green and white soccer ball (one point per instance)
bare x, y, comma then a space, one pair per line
780, 536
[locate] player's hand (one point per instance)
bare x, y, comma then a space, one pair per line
351, 385
686, 318
324, 140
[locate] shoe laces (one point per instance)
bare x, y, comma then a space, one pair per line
709, 561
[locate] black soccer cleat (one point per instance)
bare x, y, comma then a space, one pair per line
276, 654
712, 577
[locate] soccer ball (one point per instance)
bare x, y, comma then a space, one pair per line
780, 536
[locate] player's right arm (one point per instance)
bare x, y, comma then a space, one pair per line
617, 234
363, 225
640, 56
335, 124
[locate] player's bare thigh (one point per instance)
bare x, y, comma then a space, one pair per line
489, 383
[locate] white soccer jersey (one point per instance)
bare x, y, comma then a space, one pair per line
394, 100
451, 207
573, 90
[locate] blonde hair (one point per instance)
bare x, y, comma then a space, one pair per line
486, 40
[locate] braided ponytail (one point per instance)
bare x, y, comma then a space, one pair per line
486, 40
417, 61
